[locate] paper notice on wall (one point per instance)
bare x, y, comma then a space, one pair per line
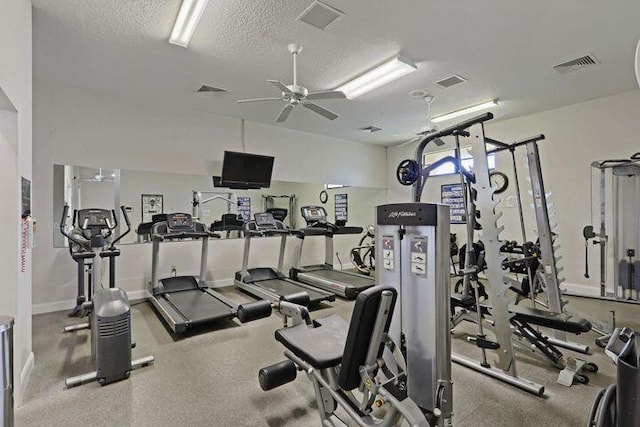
244, 208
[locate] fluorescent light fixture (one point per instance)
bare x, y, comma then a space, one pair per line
464, 111
187, 21
379, 76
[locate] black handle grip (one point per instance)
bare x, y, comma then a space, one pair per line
63, 223
125, 215
126, 220
586, 260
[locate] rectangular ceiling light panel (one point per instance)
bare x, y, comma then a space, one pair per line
320, 15
379, 76
187, 21
465, 111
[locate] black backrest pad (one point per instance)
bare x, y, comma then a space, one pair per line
359, 337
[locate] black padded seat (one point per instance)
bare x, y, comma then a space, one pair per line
464, 301
562, 322
363, 321
321, 347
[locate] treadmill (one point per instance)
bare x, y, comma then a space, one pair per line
323, 276
185, 302
267, 283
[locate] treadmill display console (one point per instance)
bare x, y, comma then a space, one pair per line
265, 220
314, 214
179, 221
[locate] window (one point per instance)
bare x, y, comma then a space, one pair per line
449, 168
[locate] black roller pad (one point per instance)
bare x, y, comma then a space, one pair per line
254, 311
276, 375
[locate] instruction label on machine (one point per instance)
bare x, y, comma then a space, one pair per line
387, 252
419, 255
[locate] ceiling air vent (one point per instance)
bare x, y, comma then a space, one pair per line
320, 15
208, 89
370, 129
576, 64
451, 81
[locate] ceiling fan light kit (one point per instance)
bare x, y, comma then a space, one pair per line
295, 94
379, 76
188, 17
465, 111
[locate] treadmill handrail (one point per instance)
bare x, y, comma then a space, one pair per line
185, 235
320, 231
268, 232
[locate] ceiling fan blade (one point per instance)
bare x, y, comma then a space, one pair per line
281, 86
320, 110
284, 113
258, 99
330, 94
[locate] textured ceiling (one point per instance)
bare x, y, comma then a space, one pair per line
505, 49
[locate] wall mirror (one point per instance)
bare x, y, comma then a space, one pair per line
151, 194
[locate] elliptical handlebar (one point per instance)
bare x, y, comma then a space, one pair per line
126, 220
63, 226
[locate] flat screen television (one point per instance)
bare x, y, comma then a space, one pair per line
243, 170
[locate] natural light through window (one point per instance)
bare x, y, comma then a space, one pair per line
449, 168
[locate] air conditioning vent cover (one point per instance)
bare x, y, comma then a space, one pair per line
320, 15
453, 80
576, 64
370, 129
209, 89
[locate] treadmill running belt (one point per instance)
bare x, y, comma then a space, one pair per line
283, 288
198, 307
347, 279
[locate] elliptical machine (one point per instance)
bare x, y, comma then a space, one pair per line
363, 256
108, 309
618, 405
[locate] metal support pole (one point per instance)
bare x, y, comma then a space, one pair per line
6, 370
603, 237
518, 196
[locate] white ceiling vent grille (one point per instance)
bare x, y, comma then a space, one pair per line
320, 15
576, 64
451, 81
370, 129
209, 89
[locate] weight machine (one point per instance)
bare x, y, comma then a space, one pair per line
227, 197
269, 204
509, 323
624, 178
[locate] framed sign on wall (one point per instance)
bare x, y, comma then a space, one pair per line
244, 207
151, 204
341, 207
452, 195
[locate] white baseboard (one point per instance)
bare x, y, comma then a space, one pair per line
50, 307
25, 376
580, 290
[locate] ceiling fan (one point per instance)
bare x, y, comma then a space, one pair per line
426, 129
295, 94
99, 177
